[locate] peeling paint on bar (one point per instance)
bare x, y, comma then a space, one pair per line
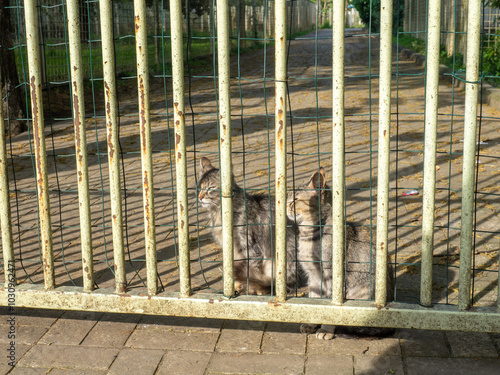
141, 43
108, 58
338, 158
470, 125
80, 143
33, 49
223, 48
180, 146
281, 134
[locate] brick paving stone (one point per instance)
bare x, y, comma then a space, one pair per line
161, 339
184, 363
30, 371
112, 333
241, 336
35, 317
375, 365
419, 343
23, 334
182, 324
471, 344
19, 349
136, 361
452, 366
253, 363
284, 342
357, 346
320, 364
66, 371
68, 332
77, 357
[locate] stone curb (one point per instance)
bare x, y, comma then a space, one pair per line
490, 94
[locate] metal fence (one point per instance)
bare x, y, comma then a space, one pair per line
63, 260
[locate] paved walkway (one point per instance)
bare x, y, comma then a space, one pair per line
58, 342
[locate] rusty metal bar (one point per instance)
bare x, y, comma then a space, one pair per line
223, 53
31, 19
180, 145
75, 48
5, 213
281, 141
141, 43
304, 310
338, 157
470, 122
384, 141
108, 60
431, 118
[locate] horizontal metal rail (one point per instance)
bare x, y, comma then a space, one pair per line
304, 310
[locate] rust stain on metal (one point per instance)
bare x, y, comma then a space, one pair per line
181, 207
385, 132
179, 156
182, 224
80, 176
143, 113
37, 136
137, 23
177, 139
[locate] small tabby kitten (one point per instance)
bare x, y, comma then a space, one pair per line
307, 206
253, 236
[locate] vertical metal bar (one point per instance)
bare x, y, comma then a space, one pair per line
5, 214
431, 117
280, 125
223, 53
108, 60
141, 43
470, 119
384, 140
180, 145
31, 19
75, 48
338, 146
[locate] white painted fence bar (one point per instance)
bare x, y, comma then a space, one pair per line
384, 141
5, 213
431, 117
108, 61
180, 146
76, 70
281, 141
470, 122
338, 157
223, 53
35, 88
141, 43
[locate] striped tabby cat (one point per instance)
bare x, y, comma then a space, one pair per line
307, 206
253, 233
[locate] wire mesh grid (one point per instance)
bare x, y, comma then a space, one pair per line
310, 129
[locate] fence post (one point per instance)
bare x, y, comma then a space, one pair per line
338, 156
471, 98
223, 53
108, 61
384, 141
141, 43
281, 140
431, 117
75, 47
180, 145
5, 213
33, 47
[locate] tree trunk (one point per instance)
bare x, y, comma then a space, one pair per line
14, 108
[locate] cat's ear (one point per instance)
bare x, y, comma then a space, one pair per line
205, 163
317, 181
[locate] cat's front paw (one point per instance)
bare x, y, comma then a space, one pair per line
326, 332
309, 328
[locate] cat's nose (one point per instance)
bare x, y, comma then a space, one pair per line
201, 195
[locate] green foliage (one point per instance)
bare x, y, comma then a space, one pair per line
326, 25
363, 8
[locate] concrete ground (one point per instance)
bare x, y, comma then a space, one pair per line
59, 342
69, 342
